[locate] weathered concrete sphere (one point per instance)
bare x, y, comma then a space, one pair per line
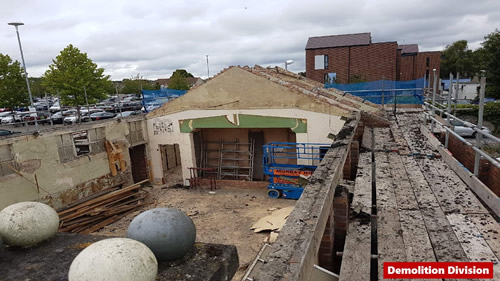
28, 223
168, 232
114, 259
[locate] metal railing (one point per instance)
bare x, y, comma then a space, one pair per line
446, 109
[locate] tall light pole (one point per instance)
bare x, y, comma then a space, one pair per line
16, 25
287, 63
208, 69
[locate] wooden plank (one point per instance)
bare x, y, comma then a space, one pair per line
92, 196
468, 200
418, 246
444, 241
489, 229
480, 189
357, 250
383, 139
362, 199
83, 211
110, 195
356, 258
111, 219
473, 243
448, 201
390, 242
404, 193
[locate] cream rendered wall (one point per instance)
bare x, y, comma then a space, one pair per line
319, 125
39, 155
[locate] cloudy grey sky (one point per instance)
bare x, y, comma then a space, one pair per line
154, 38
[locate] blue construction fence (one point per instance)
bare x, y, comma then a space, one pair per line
373, 91
152, 99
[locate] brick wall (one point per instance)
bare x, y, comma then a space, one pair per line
407, 68
333, 239
349, 170
488, 174
370, 62
421, 65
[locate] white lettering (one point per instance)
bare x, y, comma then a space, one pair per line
391, 269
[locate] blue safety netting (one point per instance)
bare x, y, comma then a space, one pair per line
382, 91
152, 99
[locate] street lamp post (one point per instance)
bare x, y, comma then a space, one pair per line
16, 25
287, 63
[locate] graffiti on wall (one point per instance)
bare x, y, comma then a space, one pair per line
164, 127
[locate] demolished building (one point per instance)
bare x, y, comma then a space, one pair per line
384, 191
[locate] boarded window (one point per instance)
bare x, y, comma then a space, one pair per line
136, 134
81, 142
6, 160
319, 62
96, 140
65, 147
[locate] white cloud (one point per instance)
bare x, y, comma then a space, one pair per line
154, 38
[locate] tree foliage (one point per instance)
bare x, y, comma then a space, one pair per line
182, 73
489, 57
136, 83
71, 73
458, 58
178, 80
13, 90
37, 89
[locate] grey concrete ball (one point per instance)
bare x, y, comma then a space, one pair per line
168, 232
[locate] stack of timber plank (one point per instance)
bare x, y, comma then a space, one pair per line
95, 212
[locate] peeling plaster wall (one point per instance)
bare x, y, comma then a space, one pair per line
319, 125
62, 183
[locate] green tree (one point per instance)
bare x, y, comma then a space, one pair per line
136, 83
458, 58
489, 56
182, 73
178, 80
71, 73
37, 89
13, 90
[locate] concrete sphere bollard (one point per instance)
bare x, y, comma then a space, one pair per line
27, 223
168, 232
114, 259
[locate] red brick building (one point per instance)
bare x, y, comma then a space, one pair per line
352, 58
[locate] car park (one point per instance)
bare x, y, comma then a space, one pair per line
58, 117
40, 117
11, 118
101, 115
73, 119
127, 114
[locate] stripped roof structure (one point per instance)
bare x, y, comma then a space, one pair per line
341, 102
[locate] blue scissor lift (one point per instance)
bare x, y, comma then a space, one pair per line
288, 164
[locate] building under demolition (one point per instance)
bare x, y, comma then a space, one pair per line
385, 190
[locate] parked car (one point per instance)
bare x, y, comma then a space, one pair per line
6, 132
11, 118
127, 114
58, 117
466, 129
73, 119
30, 117
101, 115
